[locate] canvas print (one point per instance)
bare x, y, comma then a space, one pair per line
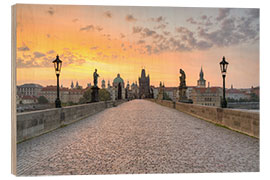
135, 90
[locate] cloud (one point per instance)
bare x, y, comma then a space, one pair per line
51, 11
166, 33
147, 32
87, 28
161, 26
75, 20
69, 58
136, 29
99, 28
158, 19
21, 63
23, 48
232, 31
191, 20
203, 17
204, 21
141, 42
130, 18
80, 61
203, 45
223, 13
228, 30
39, 59
148, 49
108, 14
51, 52
94, 48
38, 54
122, 35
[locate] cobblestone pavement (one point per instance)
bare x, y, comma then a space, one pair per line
138, 137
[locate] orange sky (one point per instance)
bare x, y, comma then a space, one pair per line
125, 39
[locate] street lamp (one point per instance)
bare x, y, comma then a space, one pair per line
223, 67
57, 66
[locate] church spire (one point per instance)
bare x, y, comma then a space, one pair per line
72, 85
201, 81
201, 74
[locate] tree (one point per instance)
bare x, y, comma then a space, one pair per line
42, 100
254, 97
86, 96
104, 95
166, 96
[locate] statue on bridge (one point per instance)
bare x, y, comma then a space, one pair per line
182, 87
95, 76
182, 78
94, 94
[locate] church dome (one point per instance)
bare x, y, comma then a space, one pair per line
118, 79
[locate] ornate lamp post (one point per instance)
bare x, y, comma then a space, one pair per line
223, 67
57, 66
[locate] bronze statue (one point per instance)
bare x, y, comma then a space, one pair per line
182, 78
95, 75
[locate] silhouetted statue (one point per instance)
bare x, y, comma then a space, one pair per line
95, 75
182, 87
182, 78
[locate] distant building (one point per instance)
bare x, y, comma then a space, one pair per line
119, 85
50, 93
155, 92
201, 81
29, 90
66, 95
29, 99
128, 91
171, 92
111, 90
236, 94
134, 91
74, 95
88, 85
210, 96
144, 85
256, 90
103, 84
189, 91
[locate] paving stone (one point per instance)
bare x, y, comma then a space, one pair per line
138, 137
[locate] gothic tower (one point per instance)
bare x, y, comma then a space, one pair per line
144, 85
201, 81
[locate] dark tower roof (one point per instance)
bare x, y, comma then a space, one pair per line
143, 73
201, 74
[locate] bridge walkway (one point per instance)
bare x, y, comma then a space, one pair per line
138, 137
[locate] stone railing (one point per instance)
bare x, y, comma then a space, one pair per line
31, 124
246, 122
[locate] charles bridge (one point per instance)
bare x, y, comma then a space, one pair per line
138, 136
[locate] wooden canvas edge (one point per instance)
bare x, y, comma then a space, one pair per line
13, 90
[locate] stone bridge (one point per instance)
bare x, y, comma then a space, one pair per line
138, 136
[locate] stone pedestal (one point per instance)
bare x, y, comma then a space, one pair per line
161, 94
94, 94
182, 94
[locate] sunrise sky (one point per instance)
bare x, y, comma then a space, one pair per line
125, 39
